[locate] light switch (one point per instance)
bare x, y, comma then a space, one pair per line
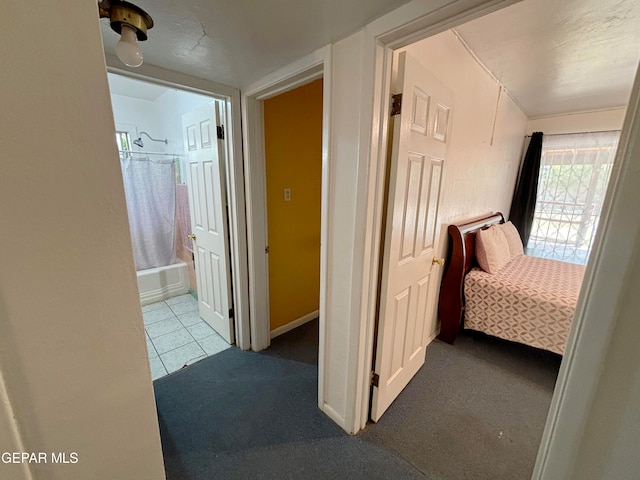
287, 194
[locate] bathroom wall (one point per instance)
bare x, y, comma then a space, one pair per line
161, 118
171, 105
135, 115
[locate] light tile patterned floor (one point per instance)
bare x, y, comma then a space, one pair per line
177, 336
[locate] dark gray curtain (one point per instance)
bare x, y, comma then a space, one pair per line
524, 198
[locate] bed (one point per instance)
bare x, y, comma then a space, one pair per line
529, 300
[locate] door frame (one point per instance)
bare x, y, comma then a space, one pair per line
311, 67
234, 174
383, 37
596, 313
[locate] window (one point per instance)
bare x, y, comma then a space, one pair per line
574, 173
123, 140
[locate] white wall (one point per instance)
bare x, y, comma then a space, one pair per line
72, 342
171, 105
161, 118
482, 163
135, 115
343, 226
10, 439
609, 447
578, 122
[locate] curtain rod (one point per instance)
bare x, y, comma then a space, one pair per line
573, 133
151, 153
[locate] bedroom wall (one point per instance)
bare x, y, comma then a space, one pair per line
480, 171
578, 122
293, 158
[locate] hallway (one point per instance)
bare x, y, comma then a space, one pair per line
476, 410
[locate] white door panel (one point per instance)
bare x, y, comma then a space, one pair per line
207, 200
409, 282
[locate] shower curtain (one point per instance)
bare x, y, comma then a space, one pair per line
150, 189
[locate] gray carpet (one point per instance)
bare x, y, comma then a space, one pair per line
476, 410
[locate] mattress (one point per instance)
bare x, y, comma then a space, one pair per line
530, 300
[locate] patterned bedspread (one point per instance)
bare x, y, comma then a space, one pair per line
530, 300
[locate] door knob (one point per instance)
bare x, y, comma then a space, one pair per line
437, 261
191, 236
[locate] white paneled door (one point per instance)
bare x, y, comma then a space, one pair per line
410, 273
208, 206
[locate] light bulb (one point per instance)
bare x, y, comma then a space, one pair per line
127, 48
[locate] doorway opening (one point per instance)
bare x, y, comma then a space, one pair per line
163, 193
293, 167
266, 104
487, 135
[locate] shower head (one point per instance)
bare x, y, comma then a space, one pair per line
138, 142
165, 141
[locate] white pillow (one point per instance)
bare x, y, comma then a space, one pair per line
492, 249
513, 239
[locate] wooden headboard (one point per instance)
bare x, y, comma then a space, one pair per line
461, 258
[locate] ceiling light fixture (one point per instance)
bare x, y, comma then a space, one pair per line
132, 23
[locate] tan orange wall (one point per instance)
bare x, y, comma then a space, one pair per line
293, 147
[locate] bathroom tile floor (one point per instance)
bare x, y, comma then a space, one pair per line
177, 336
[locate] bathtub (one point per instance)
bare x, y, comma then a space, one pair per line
157, 284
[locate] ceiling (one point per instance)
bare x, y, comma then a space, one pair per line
560, 56
236, 42
553, 56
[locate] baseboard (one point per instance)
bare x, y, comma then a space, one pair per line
432, 336
330, 412
294, 324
